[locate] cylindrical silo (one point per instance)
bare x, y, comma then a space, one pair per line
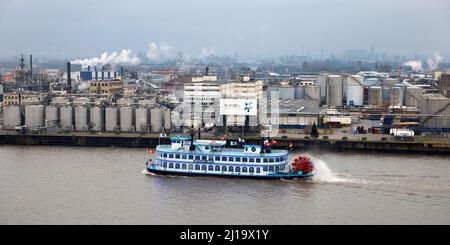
312, 92
141, 119
34, 116
111, 119
396, 96
156, 120
66, 117
355, 90
97, 118
287, 93
11, 117
334, 90
81, 118
51, 116
167, 119
375, 96
322, 83
274, 90
413, 96
299, 92
126, 119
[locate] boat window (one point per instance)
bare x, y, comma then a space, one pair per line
165, 155
258, 170
244, 169
266, 160
211, 168
197, 157
258, 159
164, 164
183, 166
238, 159
217, 168
170, 155
177, 156
204, 158
203, 167
170, 165
271, 168
251, 170
224, 159
217, 158
183, 156
206, 147
191, 157
230, 169
244, 159
177, 166
271, 160
265, 168
190, 167
251, 160
238, 169
224, 169
231, 159
277, 159
197, 167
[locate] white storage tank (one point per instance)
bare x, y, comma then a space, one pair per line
355, 90
34, 116
322, 83
81, 118
156, 120
126, 119
111, 116
97, 118
396, 96
312, 92
375, 96
11, 117
413, 96
334, 90
51, 116
141, 119
167, 119
287, 93
299, 92
66, 117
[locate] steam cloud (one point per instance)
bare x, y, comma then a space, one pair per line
433, 63
156, 52
416, 65
123, 57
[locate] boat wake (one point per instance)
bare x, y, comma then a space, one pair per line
323, 173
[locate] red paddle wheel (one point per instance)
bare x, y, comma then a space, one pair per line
302, 163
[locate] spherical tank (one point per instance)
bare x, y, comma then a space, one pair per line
81, 118
11, 117
126, 119
97, 118
111, 119
375, 96
355, 90
156, 120
334, 90
66, 117
413, 96
51, 116
34, 116
141, 119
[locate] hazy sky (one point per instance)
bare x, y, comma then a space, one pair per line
70, 28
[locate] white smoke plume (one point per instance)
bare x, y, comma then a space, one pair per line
156, 52
207, 52
416, 65
434, 62
124, 57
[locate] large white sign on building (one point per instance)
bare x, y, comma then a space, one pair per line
238, 107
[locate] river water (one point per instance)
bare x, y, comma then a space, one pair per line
70, 185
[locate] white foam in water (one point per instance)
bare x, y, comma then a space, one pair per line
323, 173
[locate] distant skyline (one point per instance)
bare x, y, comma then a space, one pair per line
260, 28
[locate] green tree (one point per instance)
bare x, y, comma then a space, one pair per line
314, 131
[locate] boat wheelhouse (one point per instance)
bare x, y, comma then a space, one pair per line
185, 156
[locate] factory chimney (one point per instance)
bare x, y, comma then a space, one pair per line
69, 80
31, 67
96, 73
207, 69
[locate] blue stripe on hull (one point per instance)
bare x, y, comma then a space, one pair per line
273, 177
